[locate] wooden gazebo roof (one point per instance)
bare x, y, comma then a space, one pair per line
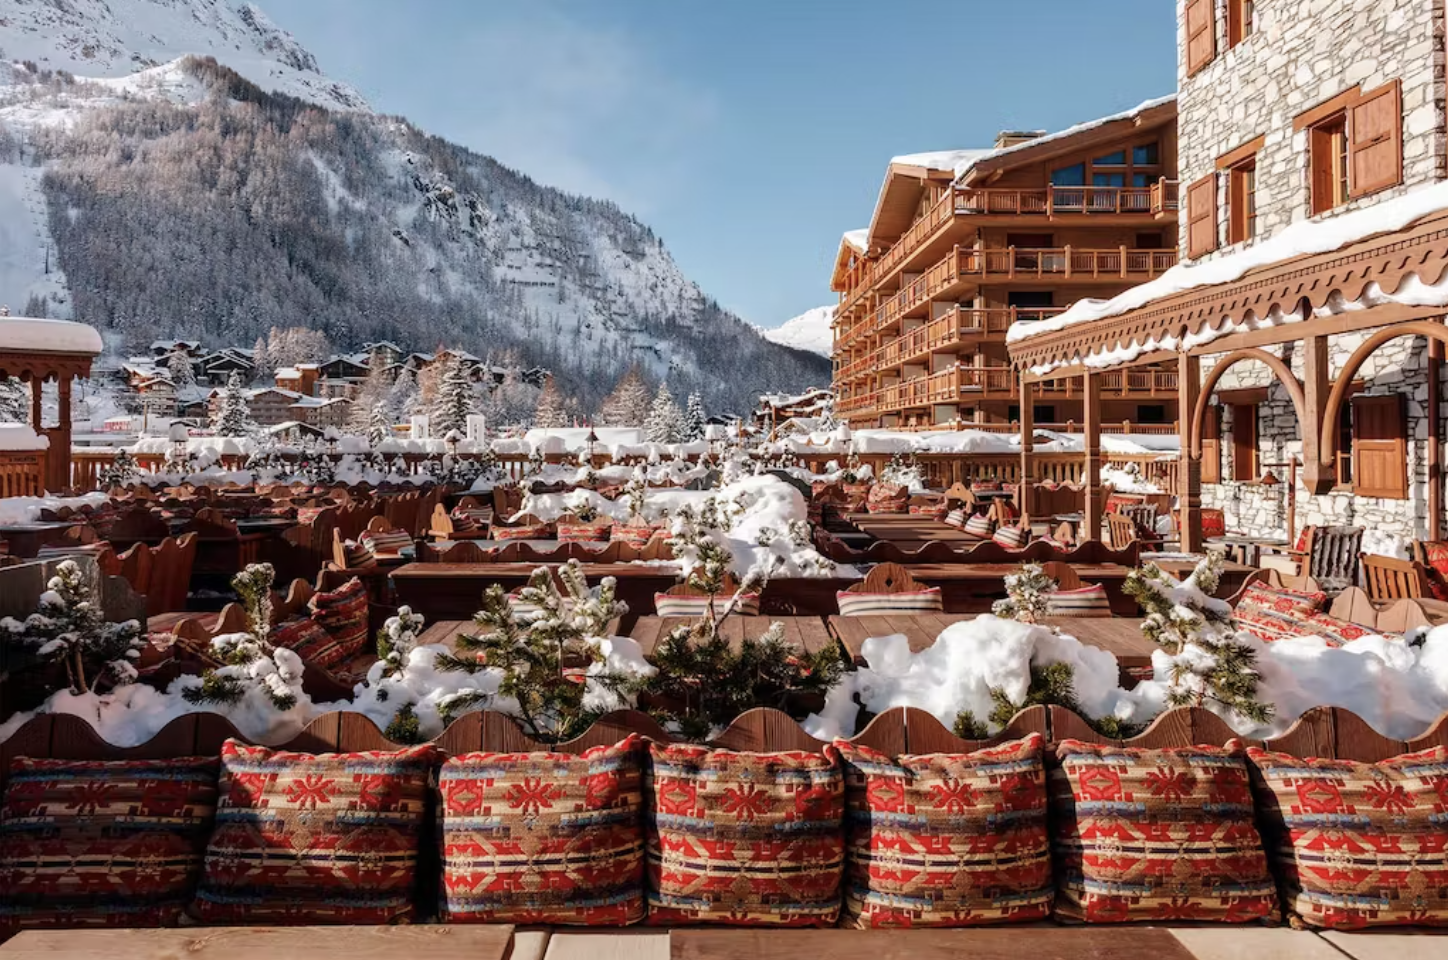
36, 349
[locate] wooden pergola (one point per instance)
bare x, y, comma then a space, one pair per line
35, 351
1298, 300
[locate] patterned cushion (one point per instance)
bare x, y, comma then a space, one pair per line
1357, 844
1157, 835
888, 498
873, 604
357, 554
461, 522
309, 640
1012, 538
743, 838
1269, 626
1336, 632
1282, 599
102, 844
543, 837
583, 532
325, 838
531, 532
667, 605
343, 614
1214, 523
956, 518
980, 526
926, 508
308, 514
386, 542
480, 516
635, 534
1089, 602
946, 840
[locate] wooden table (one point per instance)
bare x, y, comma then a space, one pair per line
920, 629
1248, 550
435, 942
1006, 943
25, 539
453, 591
973, 587
1234, 574
808, 633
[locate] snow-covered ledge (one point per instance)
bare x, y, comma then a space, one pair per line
31, 335
21, 438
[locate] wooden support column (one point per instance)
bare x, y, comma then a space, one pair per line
37, 390
1435, 441
1189, 467
1091, 475
1319, 471
1028, 446
58, 460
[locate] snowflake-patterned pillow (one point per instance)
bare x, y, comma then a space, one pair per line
315, 838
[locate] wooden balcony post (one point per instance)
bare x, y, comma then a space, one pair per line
37, 389
1091, 472
1028, 442
1068, 262
1435, 449
1189, 467
1319, 475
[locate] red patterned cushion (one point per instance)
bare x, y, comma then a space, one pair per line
325, 838
583, 532
635, 534
1214, 523
1358, 844
102, 844
343, 614
888, 498
543, 837
1157, 835
309, 640
1336, 632
946, 840
1268, 626
743, 838
1282, 599
530, 532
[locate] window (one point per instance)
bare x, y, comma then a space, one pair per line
1146, 155
1143, 179
1328, 146
1150, 241
1073, 176
1242, 201
1040, 413
1355, 145
1344, 445
1241, 15
1201, 34
1108, 179
1380, 447
1117, 159
1244, 442
1151, 413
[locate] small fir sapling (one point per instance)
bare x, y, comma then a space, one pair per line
1052, 684
397, 639
1028, 595
694, 418
1210, 663
69, 629
550, 660
120, 472
250, 661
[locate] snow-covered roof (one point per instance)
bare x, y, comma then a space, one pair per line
1305, 238
289, 373
381, 345
20, 436
33, 335
859, 239
291, 394
942, 160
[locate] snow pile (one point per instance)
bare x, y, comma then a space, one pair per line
14, 510
859, 239
812, 331
28, 335
1127, 481
20, 437
766, 532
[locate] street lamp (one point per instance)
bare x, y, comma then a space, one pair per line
591, 439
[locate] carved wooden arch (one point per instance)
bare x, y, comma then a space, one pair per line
1327, 442
1276, 364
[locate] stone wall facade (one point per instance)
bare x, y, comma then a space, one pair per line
1302, 53
1398, 366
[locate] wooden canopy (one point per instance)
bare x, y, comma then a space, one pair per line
36, 350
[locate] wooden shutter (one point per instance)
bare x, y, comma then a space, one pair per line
1244, 441
1380, 447
1212, 446
1375, 140
1201, 34
1202, 216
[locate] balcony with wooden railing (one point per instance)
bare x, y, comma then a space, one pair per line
1051, 203
968, 324
1065, 263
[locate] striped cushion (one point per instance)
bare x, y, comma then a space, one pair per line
1357, 844
343, 614
1007, 509
356, 554
872, 604
1157, 835
531, 532
946, 840
956, 519
309, 640
386, 542
667, 605
928, 508
461, 522
480, 516
326, 838
1012, 538
102, 844
980, 526
743, 838
1090, 602
583, 532
543, 837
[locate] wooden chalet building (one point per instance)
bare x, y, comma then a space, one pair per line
1307, 328
962, 245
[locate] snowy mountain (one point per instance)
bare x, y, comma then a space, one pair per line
185, 199
116, 38
808, 331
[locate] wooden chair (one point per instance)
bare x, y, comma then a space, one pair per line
1388, 578
1332, 556
1121, 530
1064, 574
885, 578
507, 500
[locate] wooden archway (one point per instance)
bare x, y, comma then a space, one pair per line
1279, 368
1327, 441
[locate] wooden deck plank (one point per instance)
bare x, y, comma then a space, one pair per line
274, 943
1040, 943
850, 632
1382, 945
633, 944
1234, 941
814, 636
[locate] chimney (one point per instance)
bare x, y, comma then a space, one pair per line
1012, 138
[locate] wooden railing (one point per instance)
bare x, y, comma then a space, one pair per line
1050, 201
1130, 382
22, 473
1065, 263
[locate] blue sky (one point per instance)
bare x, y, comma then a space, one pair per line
748, 133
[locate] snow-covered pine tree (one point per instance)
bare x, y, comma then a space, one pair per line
70, 629
665, 422
628, 404
397, 638
1028, 593
233, 409
261, 358
404, 399
1195, 628
376, 389
379, 425
14, 401
181, 370
454, 400
120, 472
694, 419
252, 663
551, 412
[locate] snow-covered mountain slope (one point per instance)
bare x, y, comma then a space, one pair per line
115, 38
808, 331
